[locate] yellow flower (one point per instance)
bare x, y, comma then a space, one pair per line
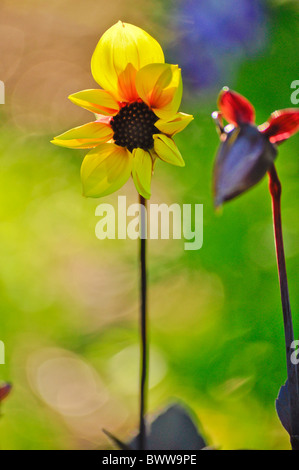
136, 113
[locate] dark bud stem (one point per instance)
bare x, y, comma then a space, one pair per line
292, 369
143, 325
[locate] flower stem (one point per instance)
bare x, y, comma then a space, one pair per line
292, 369
143, 325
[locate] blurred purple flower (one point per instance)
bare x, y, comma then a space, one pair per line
5, 389
217, 36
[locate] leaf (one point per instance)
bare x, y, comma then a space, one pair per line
121, 445
173, 429
283, 407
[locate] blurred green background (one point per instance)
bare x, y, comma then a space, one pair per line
69, 302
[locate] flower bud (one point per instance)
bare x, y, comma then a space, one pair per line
243, 159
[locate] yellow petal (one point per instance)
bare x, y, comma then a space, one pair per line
175, 125
126, 84
120, 45
142, 167
85, 137
160, 87
105, 169
97, 101
154, 157
167, 150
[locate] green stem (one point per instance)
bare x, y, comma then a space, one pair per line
292, 369
143, 326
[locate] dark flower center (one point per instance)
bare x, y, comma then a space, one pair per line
134, 126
